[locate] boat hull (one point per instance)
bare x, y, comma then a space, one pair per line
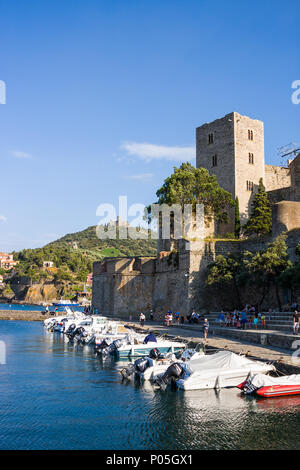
201, 381
278, 390
139, 350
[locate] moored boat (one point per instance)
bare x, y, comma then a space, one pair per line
266, 386
218, 370
138, 350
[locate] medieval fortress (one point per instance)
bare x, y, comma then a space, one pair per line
232, 148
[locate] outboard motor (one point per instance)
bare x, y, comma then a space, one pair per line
83, 336
127, 371
70, 329
112, 348
99, 347
78, 333
154, 353
173, 373
140, 365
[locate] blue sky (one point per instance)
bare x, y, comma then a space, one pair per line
89, 81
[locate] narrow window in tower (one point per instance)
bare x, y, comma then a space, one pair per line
214, 160
249, 185
250, 134
210, 138
251, 158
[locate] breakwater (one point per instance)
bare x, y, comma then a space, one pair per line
24, 315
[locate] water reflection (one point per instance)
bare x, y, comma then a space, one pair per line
57, 395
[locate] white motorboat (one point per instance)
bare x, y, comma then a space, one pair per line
149, 367
84, 329
141, 349
218, 370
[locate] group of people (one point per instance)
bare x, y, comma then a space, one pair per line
170, 319
239, 319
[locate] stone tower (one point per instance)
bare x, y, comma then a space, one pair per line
232, 148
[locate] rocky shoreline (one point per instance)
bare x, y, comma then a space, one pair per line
27, 315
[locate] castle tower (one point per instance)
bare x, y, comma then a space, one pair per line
232, 148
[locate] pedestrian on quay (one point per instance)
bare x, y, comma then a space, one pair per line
177, 314
296, 322
151, 315
244, 319
205, 328
255, 321
142, 319
263, 320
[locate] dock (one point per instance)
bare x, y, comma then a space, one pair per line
264, 345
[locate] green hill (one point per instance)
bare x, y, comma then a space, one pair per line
73, 255
87, 241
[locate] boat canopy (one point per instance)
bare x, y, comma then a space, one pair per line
261, 380
221, 360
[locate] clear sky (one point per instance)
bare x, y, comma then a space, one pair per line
103, 98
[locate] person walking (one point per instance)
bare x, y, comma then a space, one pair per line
296, 322
244, 319
177, 314
205, 328
142, 319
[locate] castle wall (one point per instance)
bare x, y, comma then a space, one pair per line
245, 171
285, 217
176, 281
233, 168
276, 177
222, 146
295, 172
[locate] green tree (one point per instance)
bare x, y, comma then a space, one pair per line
266, 266
237, 220
260, 222
190, 185
227, 271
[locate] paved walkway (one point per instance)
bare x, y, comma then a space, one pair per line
194, 334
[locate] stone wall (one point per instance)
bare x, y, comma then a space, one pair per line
176, 280
232, 166
276, 177
285, 217
222, 146
244, 170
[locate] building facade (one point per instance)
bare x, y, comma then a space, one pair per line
7, 261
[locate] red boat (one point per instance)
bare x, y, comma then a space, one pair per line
278, 390
266, 386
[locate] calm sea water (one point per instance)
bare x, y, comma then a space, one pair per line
33, 308
57, 396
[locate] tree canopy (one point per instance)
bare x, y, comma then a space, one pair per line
190, 185
260, 222
264, 269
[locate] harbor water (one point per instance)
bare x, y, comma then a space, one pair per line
34, 308
54, 395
